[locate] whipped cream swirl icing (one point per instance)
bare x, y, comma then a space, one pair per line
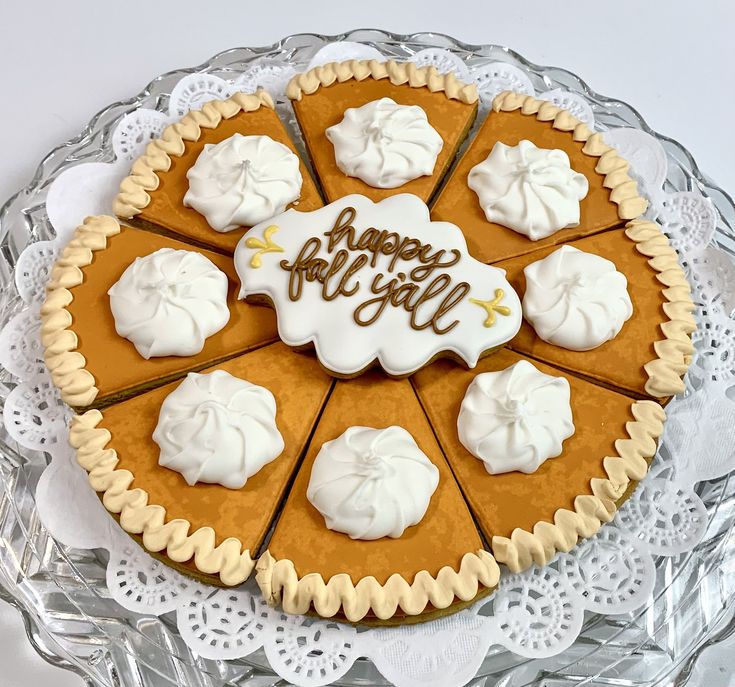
218, 428
576, 300
243, 180
515, 419
372, 483
531, 190
385, 144
169, 302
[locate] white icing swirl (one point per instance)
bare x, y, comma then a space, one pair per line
217, 428
531, 190
576, 300
372, 483
515, 419
169, 302
385, 144
243, 180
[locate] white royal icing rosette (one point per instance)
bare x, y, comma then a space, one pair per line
576, 300
515, 419
242, 181
531, 190
169, 302
218, 428
372, 483
385, 144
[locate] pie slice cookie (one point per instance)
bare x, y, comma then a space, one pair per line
89, 361
322, 95
433, 565
529, 517
152, 196
611, 199
652, 351
205, 530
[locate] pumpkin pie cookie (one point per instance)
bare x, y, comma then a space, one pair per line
529, 516
94, 365
204, 529
432, 565
611, 195
217, 172
651, 352
379, 128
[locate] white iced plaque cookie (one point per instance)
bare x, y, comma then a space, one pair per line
217, 428
243, 180
531, 190
366, 282
515, 419
169, 302
576, 300
372, 483
385, 144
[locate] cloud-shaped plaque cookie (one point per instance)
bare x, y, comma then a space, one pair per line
378, 282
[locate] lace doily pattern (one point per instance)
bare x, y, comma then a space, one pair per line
34, 268
496, 77
537, 613
35, 416
443, 61
20, 342
137, 129
192, 92
223, 623
147, 585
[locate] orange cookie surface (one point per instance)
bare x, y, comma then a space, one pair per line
153, 195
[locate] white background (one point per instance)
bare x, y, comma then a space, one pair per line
60, 62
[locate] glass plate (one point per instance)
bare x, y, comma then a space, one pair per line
71, 620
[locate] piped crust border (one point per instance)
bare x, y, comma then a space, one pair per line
280, 583
623, 189
397, 73
229, 560
524, 548
65, 363
133, 196
674, 351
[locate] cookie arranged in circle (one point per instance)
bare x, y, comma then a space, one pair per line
449, 392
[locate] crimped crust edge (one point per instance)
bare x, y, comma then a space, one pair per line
65, 363
280, 584
623, 189
397, 73
674, 350
229, 560
133, 196
591, 511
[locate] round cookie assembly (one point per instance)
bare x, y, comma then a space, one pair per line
478, 376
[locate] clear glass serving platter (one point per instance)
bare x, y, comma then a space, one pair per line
61, 593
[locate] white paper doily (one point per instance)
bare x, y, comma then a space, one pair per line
536, 614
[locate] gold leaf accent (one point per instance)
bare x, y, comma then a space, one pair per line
264, 245
492, 306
